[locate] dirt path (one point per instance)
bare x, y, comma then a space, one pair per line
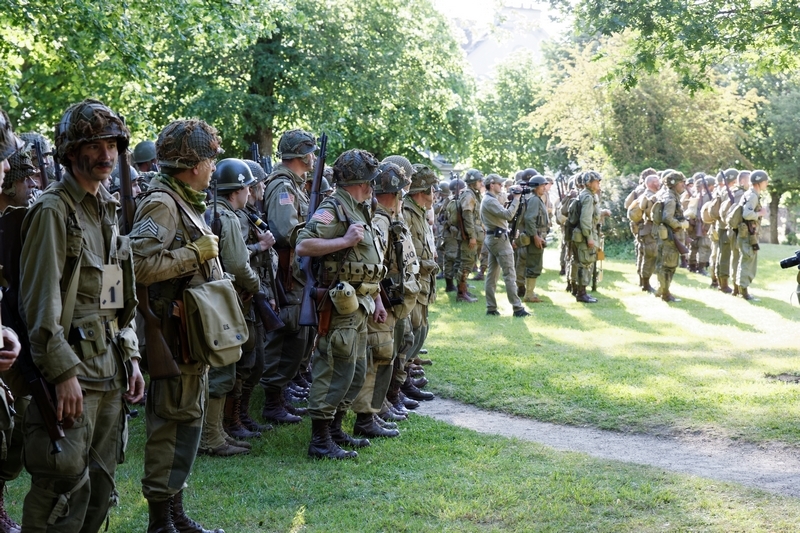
772, 468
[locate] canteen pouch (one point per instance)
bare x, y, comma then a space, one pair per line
343, 297
663, 233
216, 328
524, 239
88, 337
577, 236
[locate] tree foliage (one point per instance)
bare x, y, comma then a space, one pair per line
693, 37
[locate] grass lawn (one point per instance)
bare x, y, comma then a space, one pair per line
630, 362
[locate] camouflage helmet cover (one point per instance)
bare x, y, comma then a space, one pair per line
391, 179
401, 162
9, 143
355, 166
758, 176
144, 151
423, 179
232, 174
21, 167
296, 143
256, 169
87, 121
186, 143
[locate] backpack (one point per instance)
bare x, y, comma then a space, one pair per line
452, 212
574, 213
635, 212
735, 216
657, 210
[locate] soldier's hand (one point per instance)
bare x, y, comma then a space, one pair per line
266, 241
685, 224
354, 235
538, 241
473, 244
135, 384
206, 247
380, 315
70, 399
10, 351
590, 243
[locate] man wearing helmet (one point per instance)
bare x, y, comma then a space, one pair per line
739, 190
285, 207
536, 225
81, 342
473, 235
340, 235
522, 178
452, 232
584, 236
747, 238
495, 218
21, 181
672, 226
174, 249
723, 266
144, 157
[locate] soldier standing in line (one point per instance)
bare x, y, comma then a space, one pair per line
285, 207
584, 236
672, 225
174, 249
468, 210
747, 238
77, 293
713, 214
144, 157
522, 178
452, 233
495, 217
441, 226
701, 242
647, 242
738, 192
724, 256
20, 183
536, 226
341, 236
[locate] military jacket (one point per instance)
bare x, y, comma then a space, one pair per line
402, 265
671, 211
362, 265
590, 214
751, 205
233, 251
537, 221
422, 236
470, 201
68, 229
285, 207
493, 215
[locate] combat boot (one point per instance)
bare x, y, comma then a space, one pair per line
366, 426
385, 424
747, 296
419, 382
322, 446
646, 287
521, 291
417, 361
723, 285
463, 295
563, 271
408, 403
341, 438
232, 423
530, 287
160, 517
480, 276
668, 297
415, 371
274, 410
7, 525
414, 393
184, 524
396, 410
583, 297
735, 290
684, 263
714, 281
701, 269
692, 267
244, 413
449, 285
212, 437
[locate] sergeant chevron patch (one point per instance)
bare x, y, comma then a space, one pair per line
148, 226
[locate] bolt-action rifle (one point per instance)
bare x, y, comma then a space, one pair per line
308, 304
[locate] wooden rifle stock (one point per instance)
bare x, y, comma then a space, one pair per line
160, 361
269, 318
308, 304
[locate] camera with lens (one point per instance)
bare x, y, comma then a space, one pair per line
789, 262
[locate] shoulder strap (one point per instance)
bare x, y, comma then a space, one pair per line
68, 305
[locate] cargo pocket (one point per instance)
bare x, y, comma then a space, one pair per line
342, 343
177, 399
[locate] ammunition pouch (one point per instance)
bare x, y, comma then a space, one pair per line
89, 336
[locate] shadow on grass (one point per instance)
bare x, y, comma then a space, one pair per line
713, 316
785, 309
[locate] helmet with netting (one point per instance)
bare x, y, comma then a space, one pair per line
9, 143
672, 178
401, 162
87, 121
186, 143
423, 179
354, 167
232, 174
144, 151
647, 172
256, 169
758, 176
473, 175
21, 168
591, 176
296, 143
391, 179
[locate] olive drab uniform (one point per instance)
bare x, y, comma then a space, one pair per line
584, 257
175, 406
747, 239
470, 202
285, 207
71, 237
672, 222
451, 235
536, 222
340, 358
733, 235
724, 242
501, 255
402, 288
647, 243
521, 250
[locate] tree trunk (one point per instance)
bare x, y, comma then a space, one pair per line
774, 203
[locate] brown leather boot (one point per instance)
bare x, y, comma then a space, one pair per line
449, 285
274, 410
160, 517
583, 297
244, 412
341, 438
747, 296
723, 285
701, 269
735, 290
480, 276
183, 523
322, 446
530, 288
366, 426
646, 287
692, 267
463, 295
233, 424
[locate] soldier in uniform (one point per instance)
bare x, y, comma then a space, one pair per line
286, 206
585, 238
401, 264
47, 152
233, 179
747, 238
452, 233
441, 226
647, 243
21, 181
672, 226
174, 249
495, 218
468, 207
522, 178
144, 157
724, 256
700, 248
341, 236
738, 193
73, 265
536, 225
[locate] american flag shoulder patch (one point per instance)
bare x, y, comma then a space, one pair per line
286, 198
326, 217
